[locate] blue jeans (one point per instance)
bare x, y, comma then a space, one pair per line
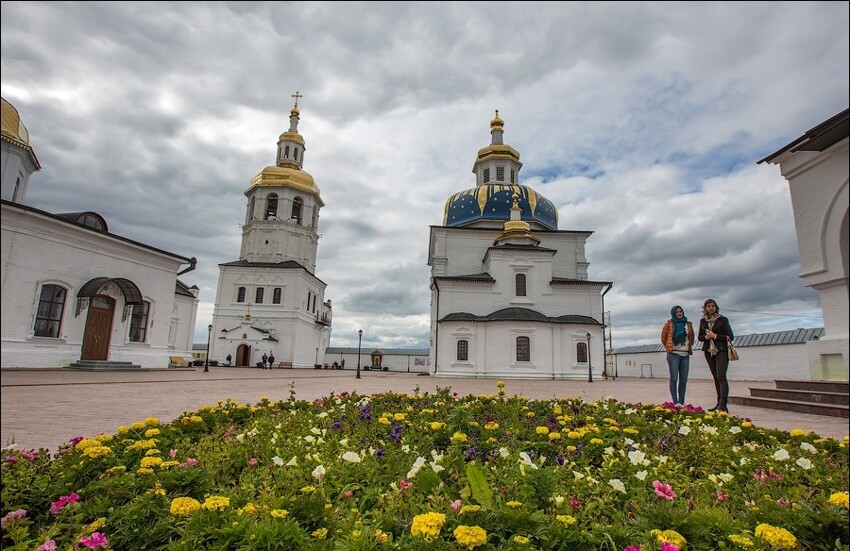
679, 367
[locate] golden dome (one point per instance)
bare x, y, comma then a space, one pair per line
13, 127
496, 123
295, 112
287, 177
291, 136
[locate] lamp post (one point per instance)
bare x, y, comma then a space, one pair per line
589, 367
207, 358
359, 340
317, 355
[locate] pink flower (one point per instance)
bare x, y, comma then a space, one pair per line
252, 462
575, 504
664, 491
13, 515
172, 453
667, 546
11, 459
49, 545
347, 494
95, 541
404, 484
75, 440
60, 504
720, 496
632, 548
456, 505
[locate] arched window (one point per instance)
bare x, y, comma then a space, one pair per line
240, 294
286, 152
297, 203
520, 285
139, 322
295, 153
51, 306
250, 210
523, 349
271, 207
581, 352
500, 174
276, 295
463, 350
260, 292
486, 175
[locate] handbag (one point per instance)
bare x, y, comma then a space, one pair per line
733, 352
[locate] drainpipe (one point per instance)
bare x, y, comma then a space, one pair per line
604, 355
436, 323
192, 263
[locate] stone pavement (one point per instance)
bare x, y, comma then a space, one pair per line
42, 408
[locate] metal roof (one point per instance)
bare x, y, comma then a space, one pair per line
793, 336
519, 314
818, 138
385, 351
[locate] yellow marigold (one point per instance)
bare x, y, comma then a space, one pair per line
157, 490
216, 503
629, 430
184, 506
500, 384
96, 452
151, 462
470, 537
530, 414
522, 541
399, 417
542, 430
798, 432
169, 464
87, 443
596, 441
470, 509
103, 437
557, 411
122, 430
669, 536
491, 425
427, 525
279, 513
746, 424
437, 425
554, 436
741, 541
143, 445
308, 490
777, 538
514, 504
573, 434
839, 499
248, 509
380, 536
151, 421
383, 420
459, 437
138, 425
566, 520
150, 433
114, 470
320, 534
96, 525
144, 470
153, 451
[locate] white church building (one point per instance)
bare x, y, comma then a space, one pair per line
269, 301
76, 295
510, 294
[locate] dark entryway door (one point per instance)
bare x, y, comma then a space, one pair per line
98, 329
243, 355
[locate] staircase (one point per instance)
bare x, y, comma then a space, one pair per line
831, 398
102, 365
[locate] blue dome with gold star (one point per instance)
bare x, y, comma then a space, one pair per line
494, 202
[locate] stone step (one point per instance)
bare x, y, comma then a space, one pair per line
812, 396
103, 365
831, 410
819, 386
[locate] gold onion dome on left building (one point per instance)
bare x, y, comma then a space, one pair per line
288, 171
14, 130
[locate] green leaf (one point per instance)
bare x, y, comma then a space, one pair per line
478, 487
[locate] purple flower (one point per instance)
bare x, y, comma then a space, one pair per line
75, 440
380, 452
13, 515
11, 459
559, 459
49, 545
470, 452
336, 425
60, 504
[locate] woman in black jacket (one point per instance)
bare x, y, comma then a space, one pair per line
715, 333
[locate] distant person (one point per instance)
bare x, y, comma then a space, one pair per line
677, 336
335, 365
265, 360
342, 365
715, 333
229, 358
271, 360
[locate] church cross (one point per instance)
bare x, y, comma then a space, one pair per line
296, 95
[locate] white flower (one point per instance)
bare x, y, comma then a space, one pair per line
405, 448
344, 442
319, 472
526, 460
781, 455
314, 430
629, 442
609, 450
240, 437
662, 459
557, 499
351, 457
637, 457
322, 415
578, 475
804, 463
504, 452
617, 484
726, 477
743, 461
277, 461
292, 462
309, 439
437, 468
684, 431
808, 447
708, 429
418, 464
436, 456
735, 429
640, 475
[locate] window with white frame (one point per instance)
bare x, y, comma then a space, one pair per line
51, 307
463, 350
523, 349
139, 322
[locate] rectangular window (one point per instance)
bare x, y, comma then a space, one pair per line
463, 350
309, 298
520, 285
276, 295
51, 305
523, 349
486, 175
581, 353
240, 294
139, 322
513, 176
500, 174
260, 292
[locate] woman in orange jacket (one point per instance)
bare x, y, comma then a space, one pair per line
677, 336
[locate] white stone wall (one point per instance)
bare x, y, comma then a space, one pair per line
14, 164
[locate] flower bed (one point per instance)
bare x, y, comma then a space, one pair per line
432, 471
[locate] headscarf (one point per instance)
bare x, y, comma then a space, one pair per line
680, 326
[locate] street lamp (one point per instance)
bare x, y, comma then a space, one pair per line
359, 340
589, 368
207, 358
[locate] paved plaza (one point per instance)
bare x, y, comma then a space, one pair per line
42, 408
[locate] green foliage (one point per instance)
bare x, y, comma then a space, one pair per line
479, 488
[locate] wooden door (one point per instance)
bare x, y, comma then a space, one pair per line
98, 329
243, 355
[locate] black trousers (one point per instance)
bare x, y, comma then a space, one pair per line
719, 365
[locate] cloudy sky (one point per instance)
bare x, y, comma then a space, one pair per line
642, 122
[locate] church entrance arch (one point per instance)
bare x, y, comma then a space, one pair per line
98, 328
243, 355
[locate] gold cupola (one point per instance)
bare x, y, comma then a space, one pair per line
517, 231
14, 131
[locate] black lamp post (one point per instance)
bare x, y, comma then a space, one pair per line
589, 367
207, 358
359, 340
